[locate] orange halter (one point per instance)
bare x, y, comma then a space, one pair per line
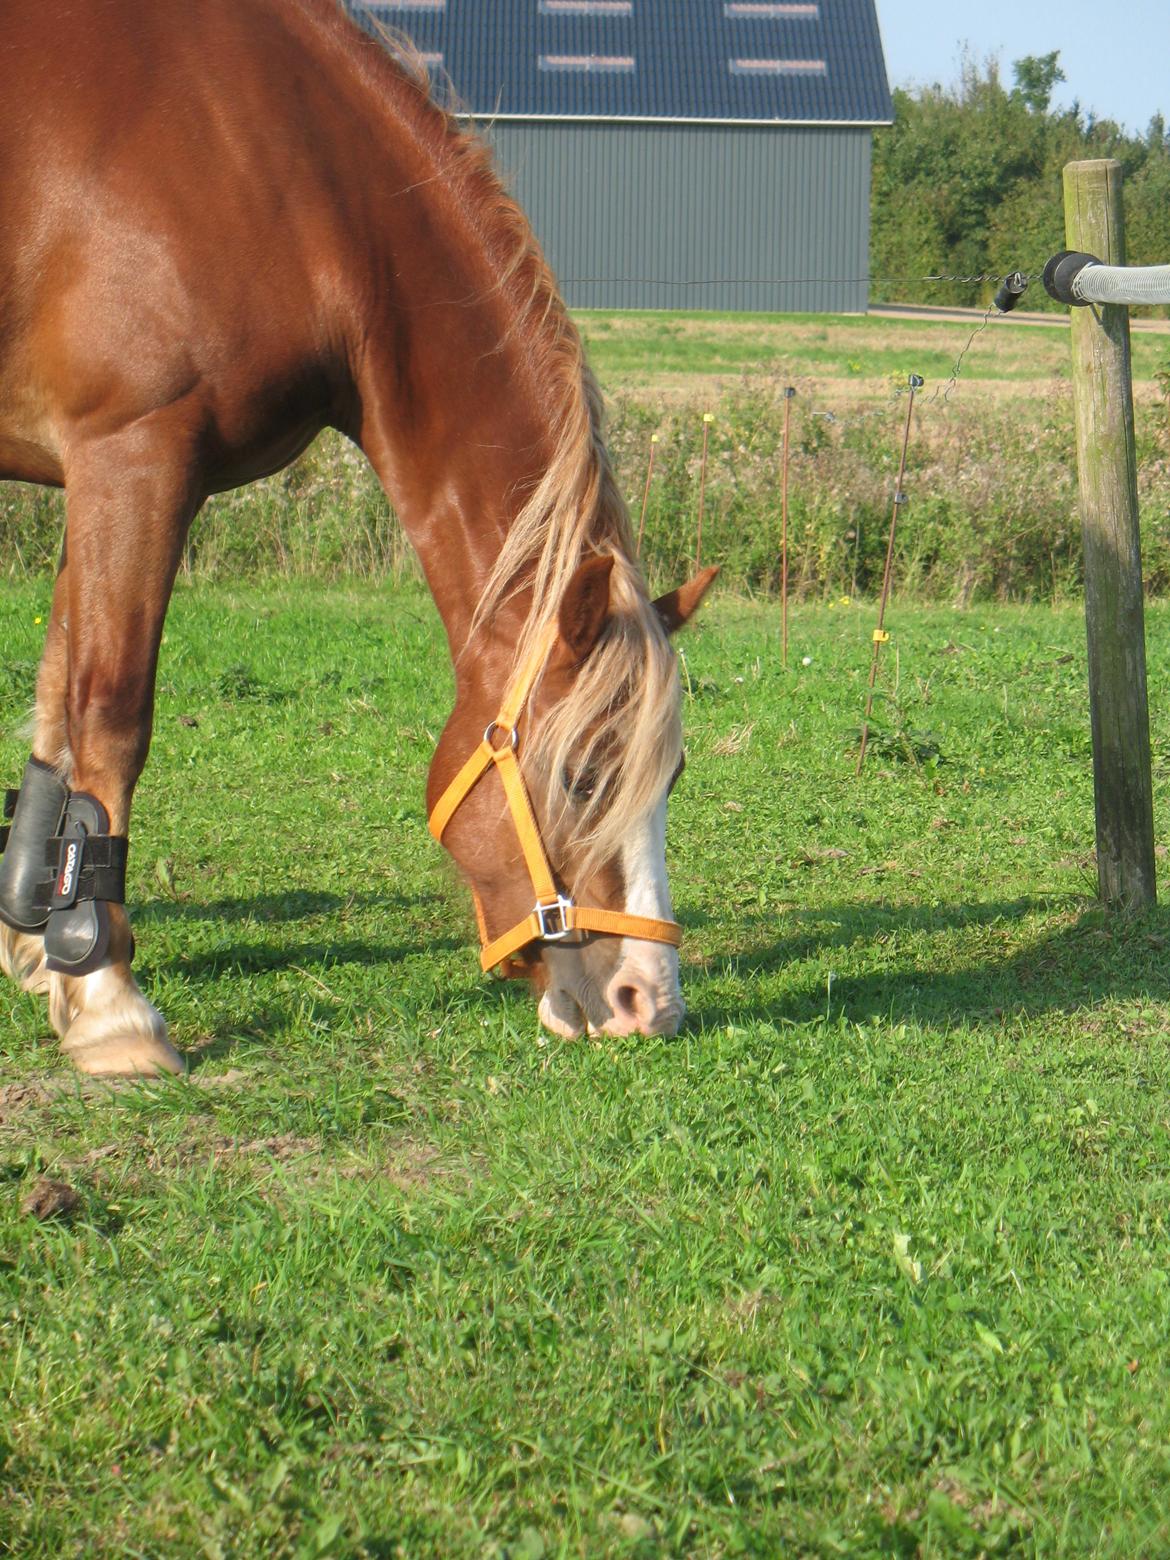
554, 916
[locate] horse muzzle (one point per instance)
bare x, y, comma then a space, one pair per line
612, 986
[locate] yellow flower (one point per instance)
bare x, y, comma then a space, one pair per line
37, 620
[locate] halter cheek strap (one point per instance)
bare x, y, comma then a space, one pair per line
554, 916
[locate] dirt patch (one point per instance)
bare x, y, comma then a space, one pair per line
17, 1098
409, 1164
200, 1145
234, 1078
414, 1166
980, 1512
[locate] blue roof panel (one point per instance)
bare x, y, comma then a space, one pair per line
810, 61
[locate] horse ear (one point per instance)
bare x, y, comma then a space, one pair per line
585, 606
679, 606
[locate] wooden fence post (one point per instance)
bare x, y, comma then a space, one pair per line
1114, 615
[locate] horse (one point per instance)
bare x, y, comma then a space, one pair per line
229, 225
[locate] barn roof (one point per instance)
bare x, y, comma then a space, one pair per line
702, 61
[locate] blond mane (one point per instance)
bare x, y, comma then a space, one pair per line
620, 721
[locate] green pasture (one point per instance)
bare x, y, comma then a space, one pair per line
870, 1260
642, 349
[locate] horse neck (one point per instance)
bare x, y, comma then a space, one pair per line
472, 384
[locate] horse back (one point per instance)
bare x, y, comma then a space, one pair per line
188, 223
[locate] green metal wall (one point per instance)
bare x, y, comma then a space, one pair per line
648, 216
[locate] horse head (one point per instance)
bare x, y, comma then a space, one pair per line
556, 816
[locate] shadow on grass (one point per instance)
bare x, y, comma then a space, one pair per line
294, 904
1066, 971
257, 956
924, 973
322, 959
319, 957
265, 1026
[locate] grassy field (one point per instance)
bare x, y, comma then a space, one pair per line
871, 1260
643, 351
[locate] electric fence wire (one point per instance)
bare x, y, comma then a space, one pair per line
942, 391
981, 279
945, 391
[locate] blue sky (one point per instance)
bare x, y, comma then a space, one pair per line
1116, 57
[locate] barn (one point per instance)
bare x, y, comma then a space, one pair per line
703, 154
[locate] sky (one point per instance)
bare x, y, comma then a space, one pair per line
1116, 57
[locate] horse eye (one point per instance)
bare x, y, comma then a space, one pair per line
579, 787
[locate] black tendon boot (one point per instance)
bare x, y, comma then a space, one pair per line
89, 866
40, 805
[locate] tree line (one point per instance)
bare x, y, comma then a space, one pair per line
967, 182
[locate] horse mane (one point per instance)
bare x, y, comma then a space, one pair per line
621, 719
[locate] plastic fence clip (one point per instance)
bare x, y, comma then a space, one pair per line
916, 381
880, 636
789, 392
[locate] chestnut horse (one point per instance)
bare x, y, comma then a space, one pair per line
229, 224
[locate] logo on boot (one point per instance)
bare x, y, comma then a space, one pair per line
68, 870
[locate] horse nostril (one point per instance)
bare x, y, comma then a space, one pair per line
633, 1002
638, 1002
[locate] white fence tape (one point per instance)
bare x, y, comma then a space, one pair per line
1081, 279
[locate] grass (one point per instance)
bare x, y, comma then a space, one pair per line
636, 351
870, 1260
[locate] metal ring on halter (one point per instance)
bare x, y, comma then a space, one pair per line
493, 726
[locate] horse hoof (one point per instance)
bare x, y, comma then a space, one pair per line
22, 959
124, 1056
123, 1041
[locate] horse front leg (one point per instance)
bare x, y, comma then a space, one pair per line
128, 505
43, 792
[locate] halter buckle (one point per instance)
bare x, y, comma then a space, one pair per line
559, 910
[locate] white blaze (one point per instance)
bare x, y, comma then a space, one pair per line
649, 967
644, 869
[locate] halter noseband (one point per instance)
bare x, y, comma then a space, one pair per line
554, 915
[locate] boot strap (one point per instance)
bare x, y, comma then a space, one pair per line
82, 867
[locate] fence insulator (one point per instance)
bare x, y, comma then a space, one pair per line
1011, 291
1079, 279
